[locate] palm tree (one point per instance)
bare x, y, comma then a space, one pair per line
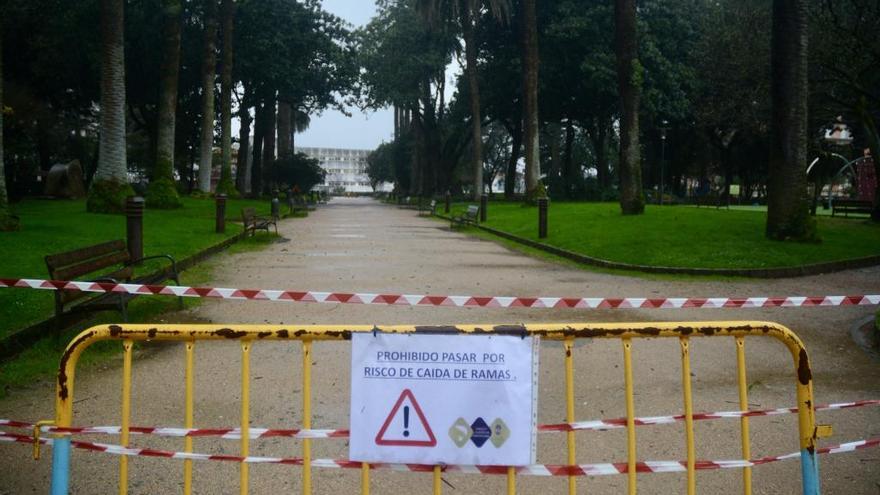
7, 221
629, 77
788, 214
110, 185
467, 13
530, 99
162, 192
209, 62
226, 186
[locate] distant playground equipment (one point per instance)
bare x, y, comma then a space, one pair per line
858, 172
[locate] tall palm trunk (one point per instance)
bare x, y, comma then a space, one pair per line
285, 130
209, 63
162, 192
788, 213
510, 174
467, 15
226, 186
256, 168
530, 86
242, 169
269, 144
629, 84
7, 221
110, 183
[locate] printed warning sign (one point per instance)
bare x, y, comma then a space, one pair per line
407, 424
443, 399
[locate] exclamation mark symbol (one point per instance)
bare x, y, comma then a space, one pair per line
406, 421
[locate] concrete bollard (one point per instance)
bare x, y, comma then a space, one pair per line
134, 226
448, 202
276, 213
542, 217
220, 213
484, 203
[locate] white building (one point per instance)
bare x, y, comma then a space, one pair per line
346, 168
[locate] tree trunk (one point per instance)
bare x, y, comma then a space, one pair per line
7, 222
110, 184
209, 63
257, 154
788, 213
269, 144
285, 130
162, 193
467, 16
629, 82
396, 122
244, 136
554, 134
569, 173
530, 98
225, 186
510, 175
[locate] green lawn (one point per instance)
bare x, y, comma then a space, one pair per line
681, 236
52, 226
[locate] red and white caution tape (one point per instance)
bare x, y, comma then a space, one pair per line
257, 433
598, 469
439, 300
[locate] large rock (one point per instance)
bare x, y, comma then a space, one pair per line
65, 180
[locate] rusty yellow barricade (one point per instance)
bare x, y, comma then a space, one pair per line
566, 333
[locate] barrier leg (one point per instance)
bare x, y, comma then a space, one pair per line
60, 466
810, 472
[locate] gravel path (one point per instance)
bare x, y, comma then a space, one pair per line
359, 245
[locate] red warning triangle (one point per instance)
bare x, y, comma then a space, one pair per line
398, 439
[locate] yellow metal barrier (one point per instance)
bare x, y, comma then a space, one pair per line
567, 333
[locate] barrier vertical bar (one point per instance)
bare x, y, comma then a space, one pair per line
365, 479
744, 406
245, 413
511, 480
631, 454
806, 418
568, 344
188, 415
126, 414
688, 414
438, 487
307, 414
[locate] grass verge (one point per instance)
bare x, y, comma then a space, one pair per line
681, 236
54, 226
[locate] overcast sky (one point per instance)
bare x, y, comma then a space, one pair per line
333, 129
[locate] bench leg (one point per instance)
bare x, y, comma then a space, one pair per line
123, 308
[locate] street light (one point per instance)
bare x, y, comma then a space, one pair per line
663, 129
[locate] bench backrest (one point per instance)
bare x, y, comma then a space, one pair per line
473, 210
851, 202
75, 264
247, 216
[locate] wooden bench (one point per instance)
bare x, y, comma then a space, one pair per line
429, 209
113, 255
469, 217
847, 206
252, 222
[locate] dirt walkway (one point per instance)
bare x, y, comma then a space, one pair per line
359, 245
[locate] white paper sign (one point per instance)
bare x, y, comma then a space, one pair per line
443, 399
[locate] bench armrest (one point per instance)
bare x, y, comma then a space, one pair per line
166, 256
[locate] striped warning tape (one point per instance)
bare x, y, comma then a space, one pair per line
597, 469
256, 433
455, 301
